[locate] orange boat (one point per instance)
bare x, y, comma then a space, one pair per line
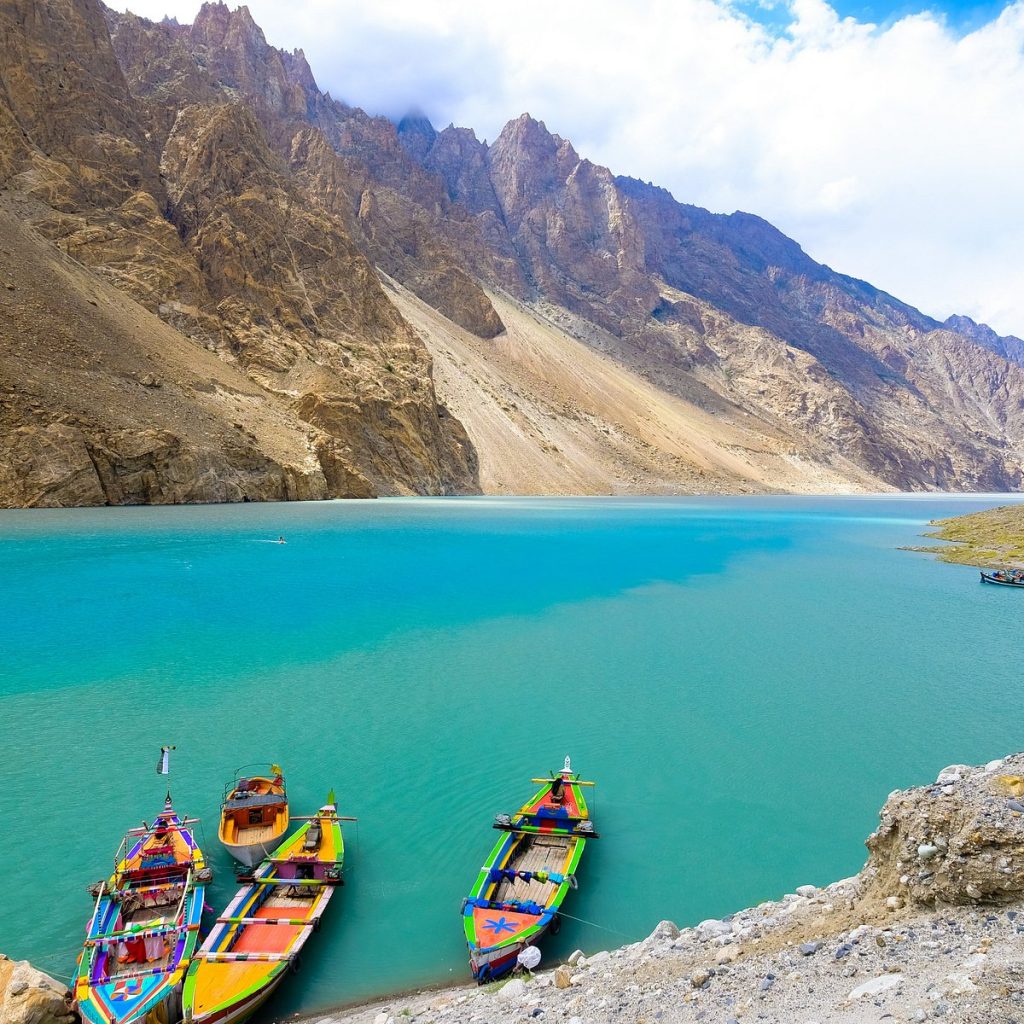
254, 814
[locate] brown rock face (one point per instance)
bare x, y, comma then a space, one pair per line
176, 197
101, 403
201, 171
224, 55
960, 840
682, 292
65, 99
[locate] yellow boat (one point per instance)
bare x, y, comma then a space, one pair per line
254, 814
252, 946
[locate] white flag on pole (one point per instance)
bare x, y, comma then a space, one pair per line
163, 765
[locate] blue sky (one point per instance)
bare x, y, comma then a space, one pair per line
962, 16
887, 139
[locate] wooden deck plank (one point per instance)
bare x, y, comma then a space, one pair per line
534, 854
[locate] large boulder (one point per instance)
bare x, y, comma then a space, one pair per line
28, 996
959, 840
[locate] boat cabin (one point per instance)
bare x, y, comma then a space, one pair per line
254, 812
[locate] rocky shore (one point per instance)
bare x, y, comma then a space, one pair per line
932, 927
28, 996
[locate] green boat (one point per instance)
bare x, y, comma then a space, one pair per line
530, 871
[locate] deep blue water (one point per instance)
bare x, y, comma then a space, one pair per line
745, 678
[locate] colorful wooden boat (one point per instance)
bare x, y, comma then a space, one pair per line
145, 925
530, 871
259, 936
1003, 579
253, 815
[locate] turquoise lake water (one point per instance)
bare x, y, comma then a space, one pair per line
746, 679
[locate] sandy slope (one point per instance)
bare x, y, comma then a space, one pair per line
549, 415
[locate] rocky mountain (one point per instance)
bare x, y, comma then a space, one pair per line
221, 283
320, 389
684, 294
1009, 347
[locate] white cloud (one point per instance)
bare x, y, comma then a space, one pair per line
894, 153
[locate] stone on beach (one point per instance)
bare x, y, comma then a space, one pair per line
712, 929
876, 986
514, 989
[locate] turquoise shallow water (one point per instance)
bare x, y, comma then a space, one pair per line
745, 678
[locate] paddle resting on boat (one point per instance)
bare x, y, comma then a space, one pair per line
528, 874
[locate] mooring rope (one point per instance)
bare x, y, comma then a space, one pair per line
594, 924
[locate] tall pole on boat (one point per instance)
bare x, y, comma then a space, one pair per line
163, 767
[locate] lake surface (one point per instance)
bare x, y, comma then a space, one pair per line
745, 678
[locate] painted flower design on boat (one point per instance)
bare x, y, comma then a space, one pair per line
126, 988
500, 926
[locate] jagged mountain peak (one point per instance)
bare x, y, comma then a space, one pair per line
1009, 347
528, 134
416, 134
215, 20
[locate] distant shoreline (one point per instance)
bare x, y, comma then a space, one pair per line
991, 538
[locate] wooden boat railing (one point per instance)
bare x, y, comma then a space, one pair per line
256, 769
144, 828
263, 920
147, 973
164, 929
323, 817
96, 909
298, 883
560, 778
216, 957
177, 916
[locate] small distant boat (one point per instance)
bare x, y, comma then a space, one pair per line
254, 814
528, 874
145, 925
1002, 578
252, 946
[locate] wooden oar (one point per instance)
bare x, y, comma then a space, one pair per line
568, 782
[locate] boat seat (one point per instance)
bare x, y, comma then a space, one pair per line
313, 837
247, 800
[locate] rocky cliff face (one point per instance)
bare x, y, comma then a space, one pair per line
917, 403
335, 150
185, 206
1010, 348
201, 171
